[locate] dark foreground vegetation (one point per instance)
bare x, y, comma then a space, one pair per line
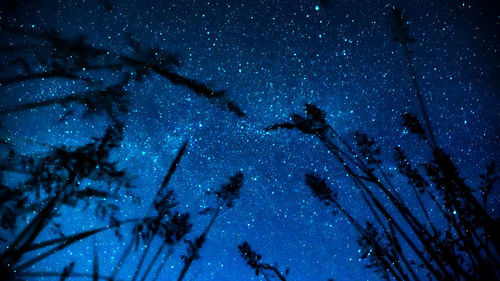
456, 242
451, 236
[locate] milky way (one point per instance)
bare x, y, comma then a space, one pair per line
270, 58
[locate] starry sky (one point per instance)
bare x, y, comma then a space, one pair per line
271, 57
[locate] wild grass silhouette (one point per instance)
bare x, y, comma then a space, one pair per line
74, 58
226, 196
53, 178
254, 260
396, 242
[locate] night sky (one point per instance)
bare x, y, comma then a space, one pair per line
271, 58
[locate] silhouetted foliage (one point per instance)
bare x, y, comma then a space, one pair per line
463, 248
50, 55
226, 195
254, 261
457, 250
401, 34
164, 223
169, 225
412, 174
67, 271
193, 249
55, 177
411, 122
11, 200
367, 149
448, 236
319, 188
488, 179
399, 27
230, 191
74, 58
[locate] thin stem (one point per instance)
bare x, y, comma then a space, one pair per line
265, 276
69, 74
122, 259
163, 261
421, 204
389, 217
361, 231
78, 236
163, 185
95, 266
416, 86
191, 258
24, 240
61, 246
401, 207
143, 257
58, 275
153, 261
43, 103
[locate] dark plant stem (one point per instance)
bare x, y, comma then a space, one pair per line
43, 103
277, 272
33, 76
426, 214
163, 261
419, 230
58, 275
122, 259
153, 261
416, 86
265, 276
24, 240
69, 74
143, 257
95, 266
360, 230
78, 236
389, 217
360, 186
163, 185
61, 245
191, 258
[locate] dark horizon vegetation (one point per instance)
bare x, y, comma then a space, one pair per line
418, 215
